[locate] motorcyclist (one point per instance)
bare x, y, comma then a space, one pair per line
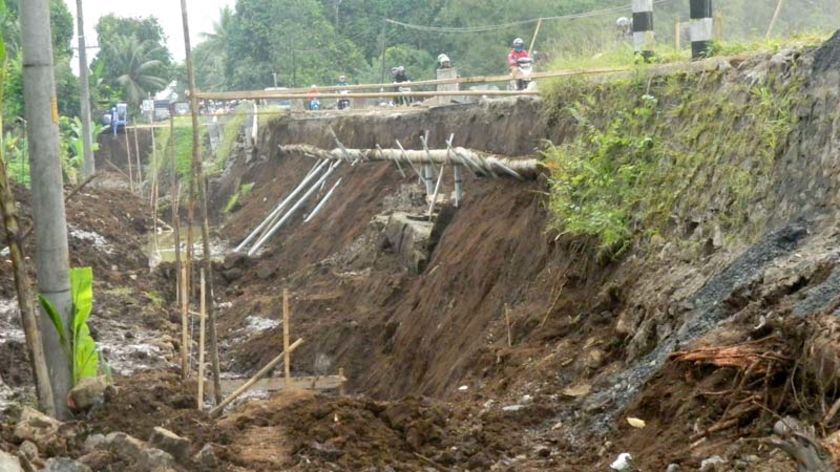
518, 52
343, 103
400, 77
399, 74
314, 103
444, 62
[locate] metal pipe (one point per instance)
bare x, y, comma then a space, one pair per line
268, 220
323, 202
291, 211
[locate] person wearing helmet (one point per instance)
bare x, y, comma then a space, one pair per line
400, 77
444, 62
399, 74
624, 26
313, 101
516, 54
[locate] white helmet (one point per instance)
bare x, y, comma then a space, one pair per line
443, 58
622, 23
518, 43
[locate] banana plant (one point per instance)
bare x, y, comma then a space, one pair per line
79, 346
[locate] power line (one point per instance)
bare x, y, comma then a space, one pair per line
486, 28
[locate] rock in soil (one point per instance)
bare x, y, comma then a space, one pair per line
170, 442
64, 464
9, 463
87, 393
206, 458
37, 427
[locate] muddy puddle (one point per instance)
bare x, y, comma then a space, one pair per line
161, 246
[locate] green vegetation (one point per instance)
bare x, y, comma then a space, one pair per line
233, 201
78, 344
650, 151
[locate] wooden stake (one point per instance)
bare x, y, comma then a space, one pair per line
26, 299
250, 383
507, 321
128, 157
176, 204
185, 337
202, 313
342, 389
287, 361
139, 163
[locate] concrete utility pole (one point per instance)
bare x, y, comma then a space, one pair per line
702, 28
88, 166
198, 176
52, 259
643, 35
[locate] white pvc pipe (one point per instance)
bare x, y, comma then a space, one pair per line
323, 202
294, 208
270, 218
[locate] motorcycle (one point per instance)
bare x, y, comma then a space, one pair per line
525, 70
403, 98
344, 103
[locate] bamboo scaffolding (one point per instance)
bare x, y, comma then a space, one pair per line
266, 95
296, 92
481, 163
130, 165
185, 335
250, 383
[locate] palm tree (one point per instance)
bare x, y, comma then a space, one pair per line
221, 29
140, 75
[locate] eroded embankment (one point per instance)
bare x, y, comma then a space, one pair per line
740, 250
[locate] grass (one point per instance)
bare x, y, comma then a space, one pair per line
621, 54
651, 151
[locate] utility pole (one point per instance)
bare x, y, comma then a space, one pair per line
198, 176
88, 166
52, 261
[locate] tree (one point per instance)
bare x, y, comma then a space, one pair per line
139, 72
211, 55
133, 57
291, 38
52, 259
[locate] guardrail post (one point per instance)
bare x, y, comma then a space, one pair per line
702, 28
643, 35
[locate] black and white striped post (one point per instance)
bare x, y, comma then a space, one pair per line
702, 28
643, 36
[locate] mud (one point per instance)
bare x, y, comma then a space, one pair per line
513, 349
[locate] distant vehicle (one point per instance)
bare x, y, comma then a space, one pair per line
182, 108
284, 104
344, 103
162, 114
525, 71
119, 117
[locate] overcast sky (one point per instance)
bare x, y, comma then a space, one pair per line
202, 14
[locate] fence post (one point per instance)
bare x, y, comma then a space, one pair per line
643, 35
702, 28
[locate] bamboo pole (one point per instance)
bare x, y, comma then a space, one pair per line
130, 165
202, 314
185, 336
534, 39
507, 322
201, 187
287, 359
435, 195
677, 34
296, 92
139, 163
342, 389
256, 378
485, 164
775, 18
26, 299
269, 95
